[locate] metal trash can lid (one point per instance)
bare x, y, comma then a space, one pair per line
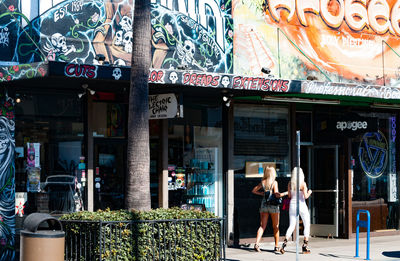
34, 220
43, 234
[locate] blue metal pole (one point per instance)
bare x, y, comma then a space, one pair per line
357, 234
368, 230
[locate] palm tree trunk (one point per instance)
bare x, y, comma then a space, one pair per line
138, 152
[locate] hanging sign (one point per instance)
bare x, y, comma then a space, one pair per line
392, 188
163, 106
20, 200
33, 155
33, 184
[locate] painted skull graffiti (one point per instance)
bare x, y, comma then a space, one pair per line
225, 81
173, 77
123, 37
59, 41
118, 38
126, 23
186, 52
127, 42
117, 73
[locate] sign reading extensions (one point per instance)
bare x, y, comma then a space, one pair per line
163, 106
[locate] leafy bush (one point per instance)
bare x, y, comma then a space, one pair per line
160, 234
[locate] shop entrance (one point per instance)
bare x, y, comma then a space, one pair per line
109, 173
323, 180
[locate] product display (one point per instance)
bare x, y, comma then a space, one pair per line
201, 179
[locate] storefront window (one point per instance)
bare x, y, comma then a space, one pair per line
49, 135
375, 177
195, 157
109, 155
261, 138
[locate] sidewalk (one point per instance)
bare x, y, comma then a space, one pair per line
381, 248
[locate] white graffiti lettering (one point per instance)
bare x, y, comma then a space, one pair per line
372, 91
200, 11
60, 13
77, 6
4, 37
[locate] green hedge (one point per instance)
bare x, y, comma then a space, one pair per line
143, 235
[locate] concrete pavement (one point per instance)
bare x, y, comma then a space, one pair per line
381, 248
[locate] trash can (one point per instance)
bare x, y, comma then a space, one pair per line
42, 238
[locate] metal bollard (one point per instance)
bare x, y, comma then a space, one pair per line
363, 223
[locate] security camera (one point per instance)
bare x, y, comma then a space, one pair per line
265, 70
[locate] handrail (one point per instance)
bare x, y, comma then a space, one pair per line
363, 223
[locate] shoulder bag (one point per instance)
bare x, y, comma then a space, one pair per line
271, 199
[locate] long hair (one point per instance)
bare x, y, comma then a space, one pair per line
293, 179
269, 176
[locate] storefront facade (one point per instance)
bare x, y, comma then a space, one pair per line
244, 76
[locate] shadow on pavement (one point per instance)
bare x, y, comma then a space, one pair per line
394, 254
342, 257
250, 249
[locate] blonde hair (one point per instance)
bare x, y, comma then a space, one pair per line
269, 176
293, 179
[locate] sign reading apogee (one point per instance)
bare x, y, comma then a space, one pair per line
351, 125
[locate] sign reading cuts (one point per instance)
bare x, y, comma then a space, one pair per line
163, 106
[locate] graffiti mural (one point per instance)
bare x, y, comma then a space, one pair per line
336, 41
66, 31
196, 35
9, 29
7, 174
22, 71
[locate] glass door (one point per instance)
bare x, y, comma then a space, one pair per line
323, 181
109, 174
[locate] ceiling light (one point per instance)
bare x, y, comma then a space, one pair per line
80, 95
225, 99
92, 92
386, 106
299, 100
